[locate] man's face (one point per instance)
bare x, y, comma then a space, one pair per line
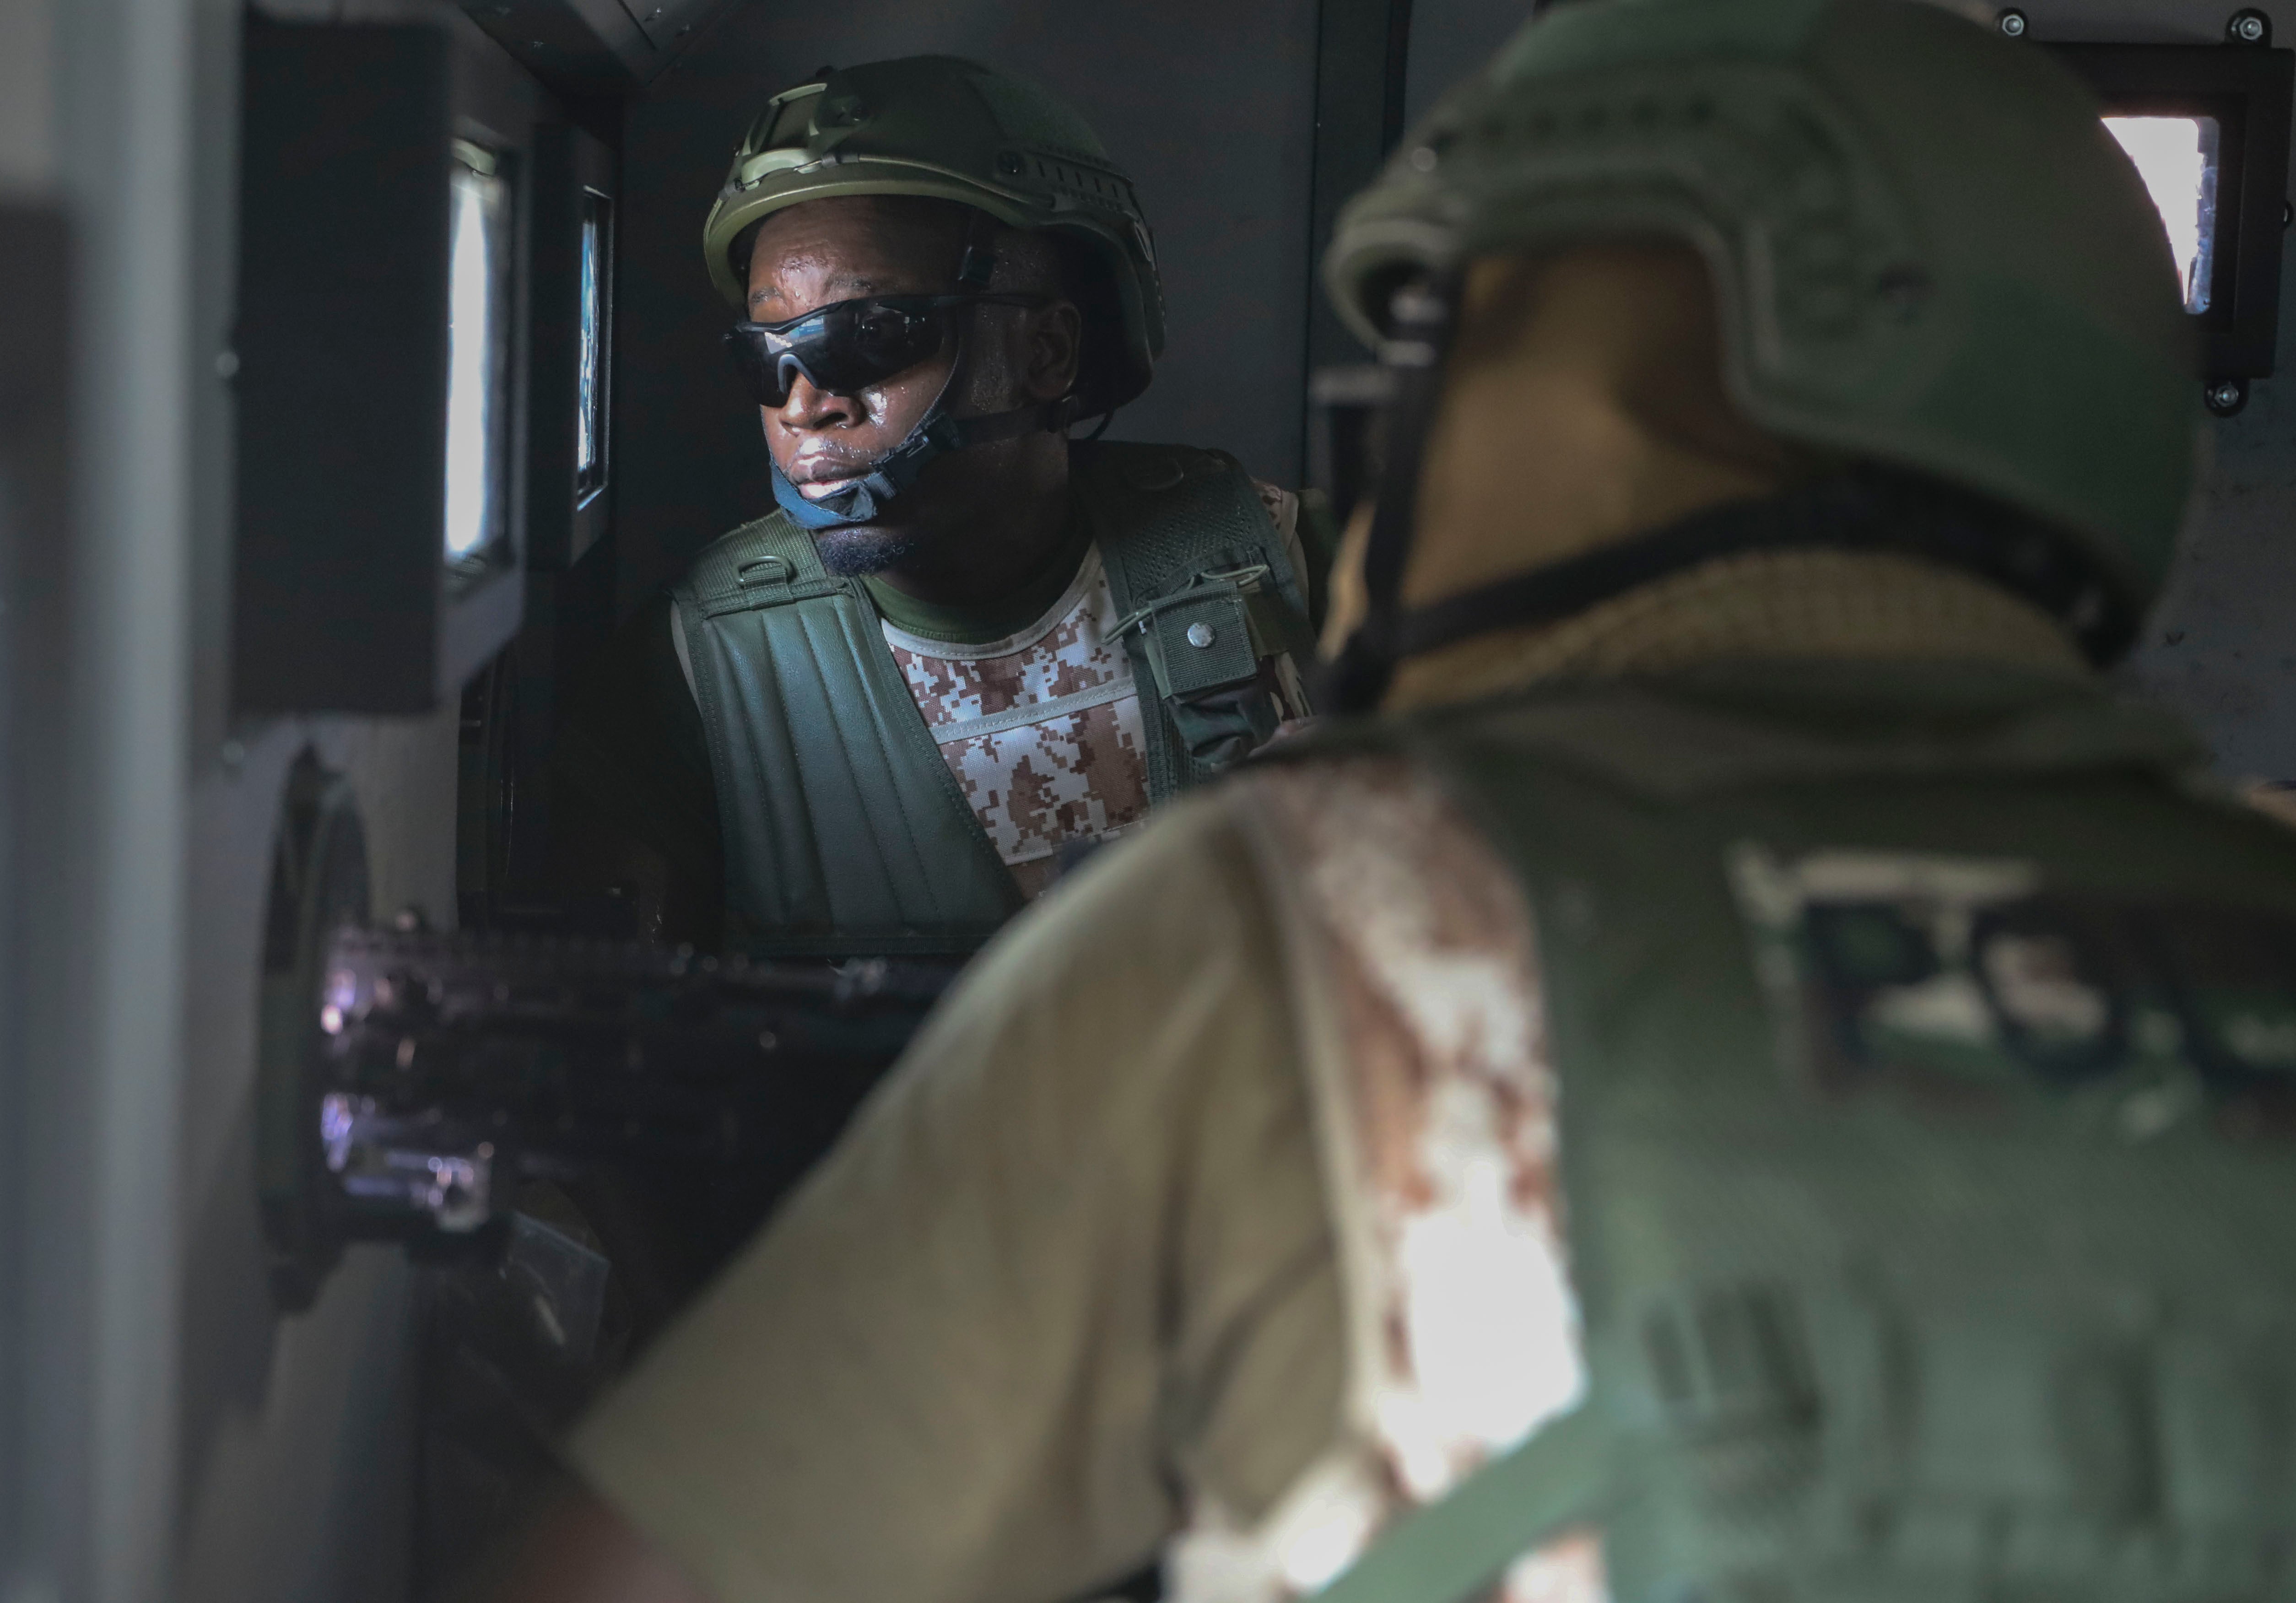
824, 251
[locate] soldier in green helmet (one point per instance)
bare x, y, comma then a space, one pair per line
964, 647
1746, 1074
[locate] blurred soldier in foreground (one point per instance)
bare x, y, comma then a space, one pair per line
965, 649
1754, 1079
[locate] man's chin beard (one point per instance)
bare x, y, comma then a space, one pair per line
858, 549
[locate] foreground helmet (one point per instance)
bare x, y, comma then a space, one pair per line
954, 130
1928, 251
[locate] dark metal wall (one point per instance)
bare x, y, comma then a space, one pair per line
2219, 650
1361, 49
1451, 39
1207, 103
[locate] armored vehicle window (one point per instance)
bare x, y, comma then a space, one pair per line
2177, 158
597, 301
479, 330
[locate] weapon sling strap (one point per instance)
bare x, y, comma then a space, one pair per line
1565, 1474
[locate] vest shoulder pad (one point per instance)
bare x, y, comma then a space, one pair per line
1165, 512
768, 563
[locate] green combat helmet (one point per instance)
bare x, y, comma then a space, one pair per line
954, 130
1928, 251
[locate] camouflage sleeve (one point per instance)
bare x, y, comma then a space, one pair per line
1283, 512
1310, 536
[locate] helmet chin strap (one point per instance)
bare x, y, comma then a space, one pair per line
936, 433
1356, 679
1866, 507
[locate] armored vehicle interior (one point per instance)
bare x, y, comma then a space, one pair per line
294, 589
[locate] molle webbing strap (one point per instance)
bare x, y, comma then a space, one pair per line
1166, 518
845, 832
1862, 510
1563, 1476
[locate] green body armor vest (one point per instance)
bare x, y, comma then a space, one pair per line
844, 832
1927, 1048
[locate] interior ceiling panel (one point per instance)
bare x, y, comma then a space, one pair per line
592, 46
1207, 103
2123, 21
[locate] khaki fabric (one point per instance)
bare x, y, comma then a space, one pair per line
982, 1350
1830, 605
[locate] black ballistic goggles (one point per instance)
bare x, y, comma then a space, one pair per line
847, 346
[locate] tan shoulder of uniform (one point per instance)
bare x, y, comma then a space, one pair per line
1283, 512
1092, 1185
2275, 798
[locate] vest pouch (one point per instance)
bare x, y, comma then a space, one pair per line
1221, 729
1200, 641
1205, 654
1732, 1373
1216, 693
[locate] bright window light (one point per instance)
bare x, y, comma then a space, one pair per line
478, 352
2177, 158
597, 269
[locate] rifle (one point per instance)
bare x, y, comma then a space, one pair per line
419, 1079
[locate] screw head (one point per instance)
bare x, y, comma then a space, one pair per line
1903, 289
2225, 396
2012, 23
2249, 26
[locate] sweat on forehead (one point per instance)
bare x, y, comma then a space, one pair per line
887, 244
